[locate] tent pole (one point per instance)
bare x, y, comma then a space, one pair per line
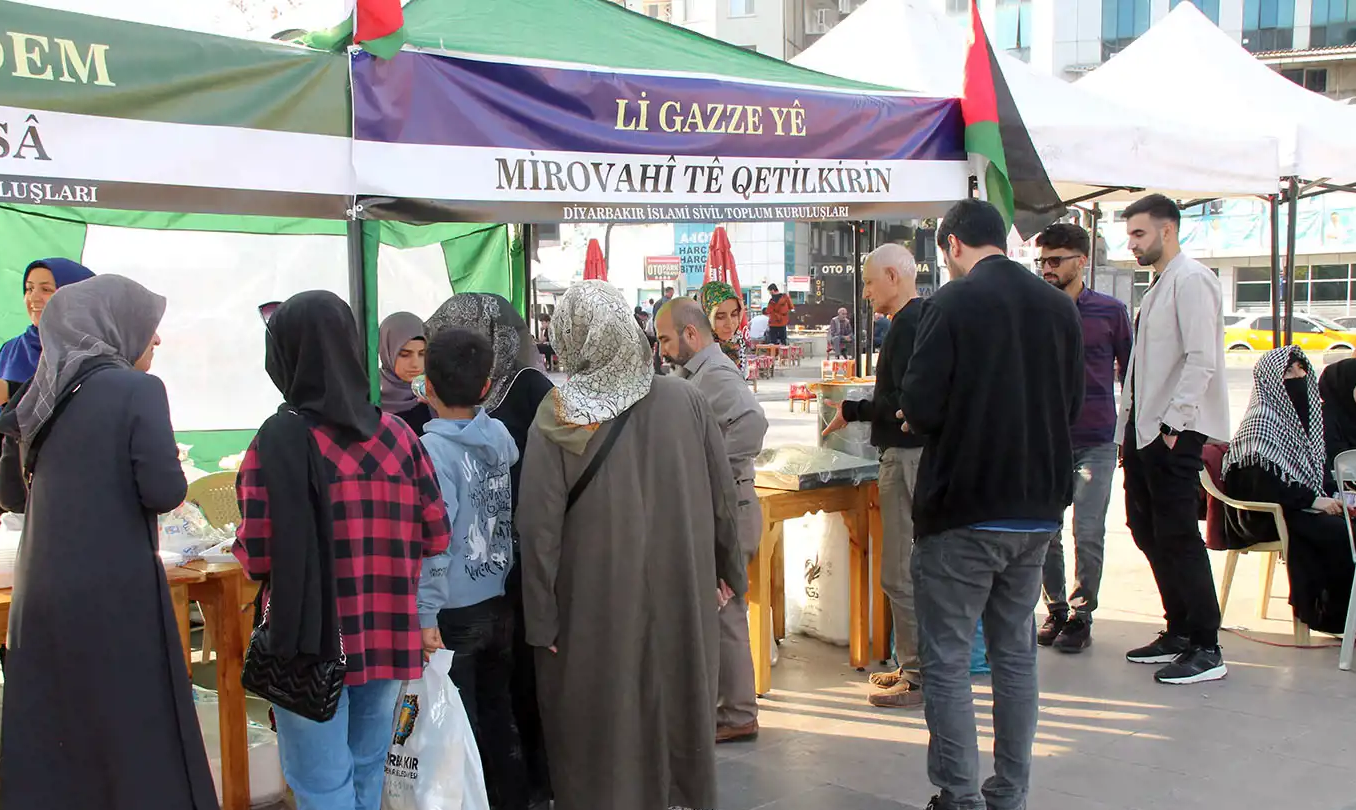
529, 289
866, 326
857, 227
1275, 201
1092, 260
1292, 208
357, 288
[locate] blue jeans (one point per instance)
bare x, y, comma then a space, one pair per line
1094, 468
340, 764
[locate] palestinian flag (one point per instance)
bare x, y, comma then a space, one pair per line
1013, 178
381, 27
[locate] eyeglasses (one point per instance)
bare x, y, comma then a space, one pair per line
1054, 262
266, 311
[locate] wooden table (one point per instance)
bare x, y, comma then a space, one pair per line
767, 602
227, 600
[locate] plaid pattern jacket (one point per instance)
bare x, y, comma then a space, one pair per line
388, 515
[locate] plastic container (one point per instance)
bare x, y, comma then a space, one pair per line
266, 778
855, 439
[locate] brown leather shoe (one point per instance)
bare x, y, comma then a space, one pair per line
902, 695
885, 680
726, 734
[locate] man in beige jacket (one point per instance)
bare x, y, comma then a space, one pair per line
1175, 399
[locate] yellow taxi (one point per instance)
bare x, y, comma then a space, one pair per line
1312, 333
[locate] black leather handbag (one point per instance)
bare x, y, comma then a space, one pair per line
305, 685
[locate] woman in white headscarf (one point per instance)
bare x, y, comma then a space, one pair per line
89, 590
621, 569
1279, 456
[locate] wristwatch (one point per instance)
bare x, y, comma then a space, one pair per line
1167, 431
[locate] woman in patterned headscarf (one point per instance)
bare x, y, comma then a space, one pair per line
637, 549
725, 309
1278, 456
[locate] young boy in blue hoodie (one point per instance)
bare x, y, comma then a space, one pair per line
461, 593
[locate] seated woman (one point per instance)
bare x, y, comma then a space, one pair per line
401, 347
1337, 387
1278, 456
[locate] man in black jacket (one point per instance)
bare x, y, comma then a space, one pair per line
995, 382
889, 282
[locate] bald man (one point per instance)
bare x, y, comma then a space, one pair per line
889, 282
686, 340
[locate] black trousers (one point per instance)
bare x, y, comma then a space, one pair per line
1162, 488
482, 637
777, 335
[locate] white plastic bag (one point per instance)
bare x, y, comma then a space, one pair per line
433, 763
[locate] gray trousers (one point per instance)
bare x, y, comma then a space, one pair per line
898, 476
737, 701
1094, 467
960, 576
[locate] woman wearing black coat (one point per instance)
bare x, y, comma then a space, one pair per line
89, 591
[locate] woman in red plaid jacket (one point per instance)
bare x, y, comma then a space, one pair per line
333, 485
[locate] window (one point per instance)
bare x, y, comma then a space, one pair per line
1315, 79
1320, 285
1209, 8
744, 8
1303, 326
1268, 25
1013, 29
1122, 21
1252, 285
1262, 324
659, 9
1333, 24
958, 6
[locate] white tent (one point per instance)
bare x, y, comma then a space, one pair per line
1186, 67
1088, 143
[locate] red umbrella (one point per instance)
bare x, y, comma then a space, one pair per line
595, 266
720, 261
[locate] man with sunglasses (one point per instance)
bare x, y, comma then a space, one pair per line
1065, 248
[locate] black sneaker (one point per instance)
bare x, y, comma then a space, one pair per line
1196, 665
1164, 650
1048, 632
935, 804
1075, 637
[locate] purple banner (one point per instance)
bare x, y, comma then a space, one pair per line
423, 99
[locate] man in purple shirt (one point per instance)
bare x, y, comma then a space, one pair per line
1106, 354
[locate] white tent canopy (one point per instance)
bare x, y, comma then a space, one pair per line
1087, 142
1186, 67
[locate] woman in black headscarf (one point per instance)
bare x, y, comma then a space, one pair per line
339, 504
1337, 387
89, 590
517, 387
1277, 456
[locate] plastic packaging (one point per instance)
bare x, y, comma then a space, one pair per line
816, 552
266, 778
433, 762
797, 467
185, 531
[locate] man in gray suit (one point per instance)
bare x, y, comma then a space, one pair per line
686, 340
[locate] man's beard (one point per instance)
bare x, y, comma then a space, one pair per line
1150, 255
685, 353
1058, 282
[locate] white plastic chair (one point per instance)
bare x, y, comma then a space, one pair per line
1277, 550
1344, 472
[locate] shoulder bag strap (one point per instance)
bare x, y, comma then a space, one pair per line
598, 458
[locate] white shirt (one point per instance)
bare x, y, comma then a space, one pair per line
1176, 374
758, 327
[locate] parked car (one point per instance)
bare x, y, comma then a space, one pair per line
1311, 333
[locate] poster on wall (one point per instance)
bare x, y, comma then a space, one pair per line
440, 136
691, 243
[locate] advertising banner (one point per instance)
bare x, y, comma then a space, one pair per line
692, 243
495, 141
663, 268
105, 113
